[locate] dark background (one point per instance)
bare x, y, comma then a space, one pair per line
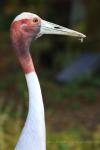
72, 107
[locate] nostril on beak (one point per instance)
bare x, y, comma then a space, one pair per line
57, 27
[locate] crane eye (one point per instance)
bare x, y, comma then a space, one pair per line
35, 20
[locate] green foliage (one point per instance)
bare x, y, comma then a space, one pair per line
13, 1
63, 147
73, 139
90, 96
75, 106
9, 129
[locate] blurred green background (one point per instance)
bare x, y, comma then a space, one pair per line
72, 108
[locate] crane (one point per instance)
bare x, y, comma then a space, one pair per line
25, 28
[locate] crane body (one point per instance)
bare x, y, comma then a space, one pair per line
25, 28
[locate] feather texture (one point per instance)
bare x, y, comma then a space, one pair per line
33, 133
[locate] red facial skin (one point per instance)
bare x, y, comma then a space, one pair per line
22, 32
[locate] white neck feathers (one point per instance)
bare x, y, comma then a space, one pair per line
33, 133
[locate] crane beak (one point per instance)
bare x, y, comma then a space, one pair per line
51, 28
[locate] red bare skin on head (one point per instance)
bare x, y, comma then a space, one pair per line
22, 32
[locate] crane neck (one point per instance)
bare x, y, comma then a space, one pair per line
24, 57
33, 133
21, 44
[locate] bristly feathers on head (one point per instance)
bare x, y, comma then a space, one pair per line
25, 15
23, 30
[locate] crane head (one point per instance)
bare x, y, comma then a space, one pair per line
28, 26
31, 26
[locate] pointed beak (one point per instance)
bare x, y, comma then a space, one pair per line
51, 28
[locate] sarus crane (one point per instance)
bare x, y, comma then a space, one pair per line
25, 28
